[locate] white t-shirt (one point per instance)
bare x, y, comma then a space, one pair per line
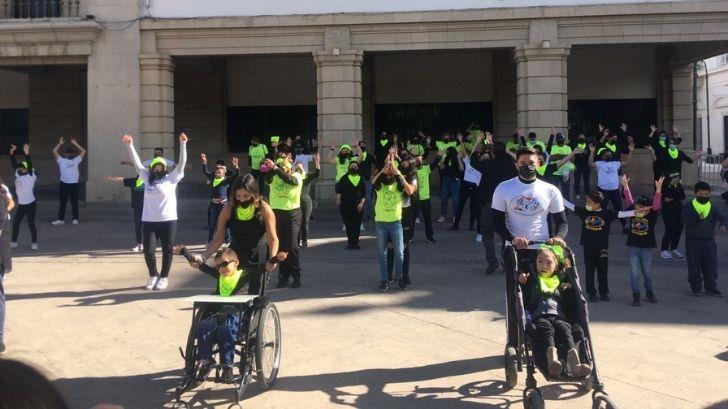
527, 206
160, 198
69, 169
9, 197
608, 174
24, 185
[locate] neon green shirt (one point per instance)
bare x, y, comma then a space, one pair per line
423, 182
341, 168
389, 204
257, 154
284, 196
227, 284
560, 150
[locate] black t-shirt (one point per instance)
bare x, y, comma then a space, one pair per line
350, 194
137, 194
642, 230
670, 165
595, 227
676, 193
494, 172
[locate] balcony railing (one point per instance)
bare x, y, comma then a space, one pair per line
39, 8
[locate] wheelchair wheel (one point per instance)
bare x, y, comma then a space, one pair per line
532, 399
511, 362
602, 401
268, 346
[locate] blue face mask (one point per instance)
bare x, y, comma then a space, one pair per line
673, 146
663, 137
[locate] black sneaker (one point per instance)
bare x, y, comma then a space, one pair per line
282, 282
383, 286
204, 370
406, 281
492, 268
2, 348
651, 297
431, 240
227, 374
593, 298
454, 228
713, 292
349, 247
696, 293
401, 285
636, 300
304, 244
296, 282
471, 228
604, 297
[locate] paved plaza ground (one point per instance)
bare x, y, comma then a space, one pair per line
76, 309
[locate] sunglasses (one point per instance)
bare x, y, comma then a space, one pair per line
224, 264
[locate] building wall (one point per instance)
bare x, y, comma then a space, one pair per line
14, 86
718, 81
612, 72
271, 80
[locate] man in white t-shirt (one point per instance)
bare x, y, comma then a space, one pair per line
68, 187
608, 166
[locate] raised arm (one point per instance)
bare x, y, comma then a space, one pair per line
630, 148
136, 162
592, 149
81, 150
566, 159
624, 181
657, 199
330, 156
179, 171
57, 155
13, 162
205, 170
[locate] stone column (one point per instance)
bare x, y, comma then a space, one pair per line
504, 89
157, 105
682, 117
542, 99
339, 104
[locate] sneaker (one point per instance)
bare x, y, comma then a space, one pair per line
552, 359
577, 368
492, 268
282, 282
696, 293
417, 220
401, 285
383, 286
2, 348
714, 293
604, 297
636, 300
441, 219
578, 197
355, 247
677, 254
227, 374
34, 246
362, 228
406, 281
58, 222
161, 283
75, 221
139, 247
296, 282
13, 245
479, 238
151, 283
651, 297
665, 254
343, 228
304, 244
431, 240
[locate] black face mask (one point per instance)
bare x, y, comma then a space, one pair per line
363, 147
607, 158
560, 143
156, 155
388, 179
354, 171
527, 172
702, 200
158, 174
343, 155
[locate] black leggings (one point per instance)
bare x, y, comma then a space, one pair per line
166, 231
596, 259
352, 221
66, 191
550, 330
26, 209
138, 224
468, 191
288, 224
673, 227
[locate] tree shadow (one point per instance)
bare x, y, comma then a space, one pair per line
105, 297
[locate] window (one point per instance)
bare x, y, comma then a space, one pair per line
432, 119
264, 122
13, 128
638, 114
35, 8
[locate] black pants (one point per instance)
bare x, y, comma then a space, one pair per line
306, 209
262, 186
67, 191
425, 209
702, 256
288, 224
673, 226
166, 231
408, 230
352, 222
468, 191
138, 223
596, 259
23, 210
615, 197
551, 330
488, 231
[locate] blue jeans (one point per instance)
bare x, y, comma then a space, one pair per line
640, 260
390, 231
449, 189
213, 212
225, 335
368, 203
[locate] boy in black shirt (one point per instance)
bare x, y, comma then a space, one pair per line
595, 241
673, 195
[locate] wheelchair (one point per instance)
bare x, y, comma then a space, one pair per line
257, 349
521, 350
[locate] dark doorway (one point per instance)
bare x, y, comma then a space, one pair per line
432, 119
638, 114
13, 129
264, 122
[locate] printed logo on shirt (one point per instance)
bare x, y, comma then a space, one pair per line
389, 200
594, 223
640, 226
526, 205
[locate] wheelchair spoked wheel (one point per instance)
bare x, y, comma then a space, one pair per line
190, 378
603, 401
532, 399
268, 346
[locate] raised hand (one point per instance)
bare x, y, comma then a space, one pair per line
460, 137
26, 149
601, 128
61, 141
623, 127
235, 161
73, 141
658, 184
649, 148
203, 158
653, 129
675, 129
183, 137
127, 139
13, 148
519, 131
624, 181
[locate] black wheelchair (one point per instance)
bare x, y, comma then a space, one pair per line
521, 350
257, 350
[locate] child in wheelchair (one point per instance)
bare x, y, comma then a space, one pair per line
543, 297
220, 323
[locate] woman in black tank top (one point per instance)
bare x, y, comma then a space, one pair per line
250, 220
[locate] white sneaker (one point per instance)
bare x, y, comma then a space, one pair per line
13, 245
441, 219
362, 228
34, 246
578, 197
138, 248
677, 254
58, 222
74, 221
151, 283
417, 220
479, 238
665, 254
161, 284
343, 228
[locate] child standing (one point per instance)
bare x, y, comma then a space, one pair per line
673, 195
700, 217
25, 178
543, 298
641, 239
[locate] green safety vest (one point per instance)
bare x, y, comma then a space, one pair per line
389, 204
257, 154
284, 196
228, 284
217, 181
537, 143
512, 146
560, 150
442, 146
548, 285
612, 147
423, 182
341, 168
416, 149
354, 179
702, 209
